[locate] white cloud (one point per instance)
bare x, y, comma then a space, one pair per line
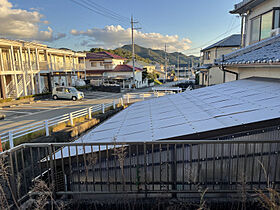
117, 36
24, 24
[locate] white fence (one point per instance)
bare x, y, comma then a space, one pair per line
46, 124
128, 98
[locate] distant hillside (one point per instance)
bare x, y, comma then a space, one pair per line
149, 55
159, 55
121, 52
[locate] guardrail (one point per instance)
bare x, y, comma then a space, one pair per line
145, 168
46, 124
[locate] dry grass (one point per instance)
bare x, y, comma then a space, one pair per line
271, 199
5, 175
43, 196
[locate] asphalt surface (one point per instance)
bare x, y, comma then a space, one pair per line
45, 109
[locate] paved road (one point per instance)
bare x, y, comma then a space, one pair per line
45, 109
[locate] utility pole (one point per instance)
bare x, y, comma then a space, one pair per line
165, 63
133, 53
178, 67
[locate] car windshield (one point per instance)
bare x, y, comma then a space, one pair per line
72, 90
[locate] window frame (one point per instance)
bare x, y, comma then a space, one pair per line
260, 16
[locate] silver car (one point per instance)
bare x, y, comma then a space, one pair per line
67, 93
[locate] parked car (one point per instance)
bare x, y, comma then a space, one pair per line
67, 93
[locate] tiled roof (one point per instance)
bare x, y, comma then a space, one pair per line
103, 55
126, 68
263, 52
231, 41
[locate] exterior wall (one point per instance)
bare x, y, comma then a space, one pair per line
216, 76
260, 9
26, 68
243, 72
103, 64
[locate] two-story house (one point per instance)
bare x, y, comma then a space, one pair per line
100, 62
260, 55
28, 68
209, 74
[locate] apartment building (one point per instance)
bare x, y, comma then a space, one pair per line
209, 74
28, 68
260, 52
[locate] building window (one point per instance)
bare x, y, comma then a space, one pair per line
207, 55
262, 25
276, 18
266, 25
93, 64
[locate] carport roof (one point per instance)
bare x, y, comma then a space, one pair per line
202, 110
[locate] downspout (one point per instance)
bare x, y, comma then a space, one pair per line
228, 71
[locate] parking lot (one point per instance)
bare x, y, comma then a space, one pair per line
44, 109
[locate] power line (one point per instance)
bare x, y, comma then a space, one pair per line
100, 7
90, 7
209, 42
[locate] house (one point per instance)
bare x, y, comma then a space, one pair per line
28, 68
124, 75
209, 74
260, 55
142, 65
101, 62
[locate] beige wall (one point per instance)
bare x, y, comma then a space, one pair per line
260, 9
243, 72
216, 76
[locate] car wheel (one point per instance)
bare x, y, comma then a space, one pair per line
74, 98
55, 97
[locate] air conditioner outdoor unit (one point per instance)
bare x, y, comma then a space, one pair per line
275, 32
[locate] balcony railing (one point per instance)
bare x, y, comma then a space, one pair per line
145, 168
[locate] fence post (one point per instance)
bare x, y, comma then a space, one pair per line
122, 101
103, 108
128, 98
114, 104
89, 113
11, 140
47, 128
71, 119
143, 96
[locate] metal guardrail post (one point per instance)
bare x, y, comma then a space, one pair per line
128, 98
103, 108
143, 96
47, 128
114, 104
11, 140
71, 119
121, 101
89, 113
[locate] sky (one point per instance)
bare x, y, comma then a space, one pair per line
184, 25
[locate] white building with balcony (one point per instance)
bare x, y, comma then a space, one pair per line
28, 68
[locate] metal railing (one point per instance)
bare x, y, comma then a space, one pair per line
133, 97
46, 125
143, 168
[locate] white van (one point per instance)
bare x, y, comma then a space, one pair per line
67, 93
